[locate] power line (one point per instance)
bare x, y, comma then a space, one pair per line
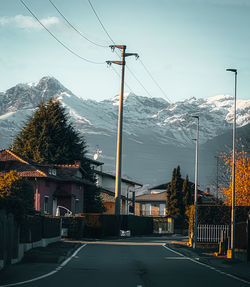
93, 9
153, 79
132, 73
74, 28
59, 41
105, 30
119, 78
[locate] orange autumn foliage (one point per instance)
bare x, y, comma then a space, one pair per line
242, 180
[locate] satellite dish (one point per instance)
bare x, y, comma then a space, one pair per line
96, 155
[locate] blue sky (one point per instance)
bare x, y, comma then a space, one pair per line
186, 45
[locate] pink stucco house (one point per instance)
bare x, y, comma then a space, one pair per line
54, 185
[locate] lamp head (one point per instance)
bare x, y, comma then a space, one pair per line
232, 70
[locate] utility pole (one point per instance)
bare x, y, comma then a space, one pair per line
196, 185
233, 169
120, 123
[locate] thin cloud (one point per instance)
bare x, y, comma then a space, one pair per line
28, 22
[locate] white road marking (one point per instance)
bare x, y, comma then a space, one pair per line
177, 258
178, 253
208, 266
47, 274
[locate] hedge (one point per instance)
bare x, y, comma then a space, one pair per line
217, 214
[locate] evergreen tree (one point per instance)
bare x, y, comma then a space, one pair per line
179, 197
186, 193
49, 137
174, 195
186, 197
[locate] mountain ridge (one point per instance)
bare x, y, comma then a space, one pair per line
149, 123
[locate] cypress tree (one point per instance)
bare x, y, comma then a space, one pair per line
186, 198
179, 197
186, 193
174, 195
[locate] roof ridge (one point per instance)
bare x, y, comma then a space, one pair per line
16, 156
33, 164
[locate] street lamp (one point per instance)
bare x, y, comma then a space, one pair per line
196, 184
233, 169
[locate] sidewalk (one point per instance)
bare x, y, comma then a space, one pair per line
234, 267
37, 262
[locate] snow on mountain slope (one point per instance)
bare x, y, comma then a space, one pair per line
152, 122
142, 116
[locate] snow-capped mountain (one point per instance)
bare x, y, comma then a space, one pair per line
150, 124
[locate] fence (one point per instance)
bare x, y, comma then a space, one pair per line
211, 233
33, 231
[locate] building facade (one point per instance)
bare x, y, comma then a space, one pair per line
106, 182
56, 187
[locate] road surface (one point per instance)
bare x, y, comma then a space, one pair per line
132, 264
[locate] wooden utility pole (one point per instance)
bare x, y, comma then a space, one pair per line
120, 123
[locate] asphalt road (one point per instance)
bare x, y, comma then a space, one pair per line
132, 264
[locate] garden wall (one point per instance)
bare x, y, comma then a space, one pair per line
32, 231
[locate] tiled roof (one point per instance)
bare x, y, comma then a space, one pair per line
26, 168
77, 164
8, 155
35, 173
152, 197
11, 161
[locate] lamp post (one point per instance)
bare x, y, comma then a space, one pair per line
233, 167
196, 184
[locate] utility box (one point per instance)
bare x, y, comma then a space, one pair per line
64, 232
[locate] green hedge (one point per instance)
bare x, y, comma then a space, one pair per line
217, 214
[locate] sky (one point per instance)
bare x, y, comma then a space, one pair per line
186, 45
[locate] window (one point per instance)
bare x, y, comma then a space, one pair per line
76, 206
148, 209
162, 209
46, 204
52, 171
